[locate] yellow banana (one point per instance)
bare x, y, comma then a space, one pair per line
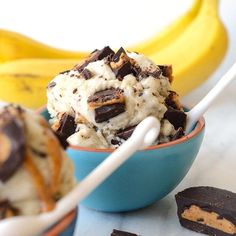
24, 81
169, 34
15, 46
198, 51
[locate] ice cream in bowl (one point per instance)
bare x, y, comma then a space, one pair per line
96, 106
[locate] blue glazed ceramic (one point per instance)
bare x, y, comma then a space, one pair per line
146, 177
65, 227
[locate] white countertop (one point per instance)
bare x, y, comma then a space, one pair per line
216, 161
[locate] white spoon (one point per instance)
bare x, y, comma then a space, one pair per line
195, 113
144, 135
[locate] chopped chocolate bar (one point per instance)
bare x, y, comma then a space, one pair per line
178, 134
207, 210
104, 113
6, 210
176, 117
173, 100
123, 70
87, 74
12, 150
106, 97
118, 54
67, 128
166, 71
126, 133
121, 233
95, 56
155, 73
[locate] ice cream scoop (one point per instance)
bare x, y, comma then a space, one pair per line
35, 171
100, 101
197, 111
144, 134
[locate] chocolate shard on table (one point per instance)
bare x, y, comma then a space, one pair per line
107, 112
106, 97
122, 233
207, 210
176, 117
126, 133
12, 145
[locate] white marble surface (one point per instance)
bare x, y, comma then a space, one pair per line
214, 166
216, 161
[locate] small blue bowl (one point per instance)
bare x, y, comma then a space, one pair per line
145, 178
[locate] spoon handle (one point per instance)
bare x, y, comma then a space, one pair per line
198, 110
144, 135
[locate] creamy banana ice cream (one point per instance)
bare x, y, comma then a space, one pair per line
100, 101
34, 169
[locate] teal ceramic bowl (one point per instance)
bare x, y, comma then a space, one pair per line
148, 176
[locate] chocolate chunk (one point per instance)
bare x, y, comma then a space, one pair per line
175, 117
179, 133
215, 207
106, 97
155, 73
67, 128
126, 133
95, 56
62, 139
75, 90
51, 85
107, 112
123, 70
7, 210
167, 71
173, 100
87, 74
116, 56
12, 150
115, 142
122, 233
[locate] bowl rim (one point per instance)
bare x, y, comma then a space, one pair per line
62, 224
197, 129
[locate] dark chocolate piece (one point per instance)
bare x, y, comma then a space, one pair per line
87, 74
75, 90
7, 210
62, 140
117, 55
122, 233
51, 85
167, 71
155, 73
179, 133
207, 210
176, 117
126, 133
173, 100
12, 148
66, 129
95, 56
123, 70
105, 97
107, 112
